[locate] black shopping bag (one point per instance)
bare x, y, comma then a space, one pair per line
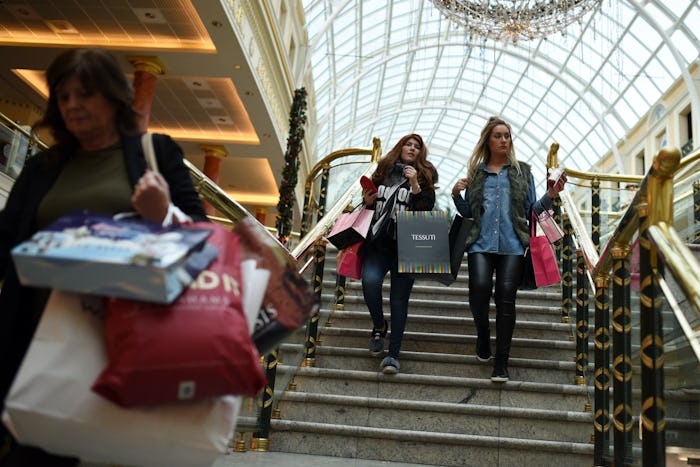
423, 244
458, 239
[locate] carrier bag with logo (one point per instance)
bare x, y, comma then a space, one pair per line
423, 244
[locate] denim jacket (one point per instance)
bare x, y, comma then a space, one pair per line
500, 204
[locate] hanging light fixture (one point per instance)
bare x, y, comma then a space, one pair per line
514, 20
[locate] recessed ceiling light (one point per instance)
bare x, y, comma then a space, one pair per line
61, 26
197, 84
221, 119
23, 11
210, 103
149, 15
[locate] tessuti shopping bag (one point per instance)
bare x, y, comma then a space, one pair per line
97, 254
423, 244
199, 346
350, 228
51, 405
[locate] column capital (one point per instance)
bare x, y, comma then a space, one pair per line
150, 64
214, 150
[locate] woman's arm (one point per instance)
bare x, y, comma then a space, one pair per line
424, 200
173, 169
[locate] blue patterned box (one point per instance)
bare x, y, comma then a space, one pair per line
131, 258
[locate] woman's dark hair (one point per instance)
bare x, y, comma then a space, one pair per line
97, 70
427, 174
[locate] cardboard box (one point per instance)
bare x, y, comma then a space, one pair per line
130, 258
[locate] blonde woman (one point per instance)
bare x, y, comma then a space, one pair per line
499, 195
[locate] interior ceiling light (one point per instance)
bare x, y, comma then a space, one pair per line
514, 20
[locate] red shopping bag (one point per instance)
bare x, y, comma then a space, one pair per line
348, 261
200, 346
544, 263
350, 228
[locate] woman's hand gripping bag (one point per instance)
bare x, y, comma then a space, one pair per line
199, 346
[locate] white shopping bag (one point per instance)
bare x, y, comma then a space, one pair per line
50, 404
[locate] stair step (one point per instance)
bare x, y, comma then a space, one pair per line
521, 369
441, 307
432, 448
456, 418
448, 389
443, 324
450, 343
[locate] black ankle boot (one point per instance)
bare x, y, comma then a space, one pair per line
500, 369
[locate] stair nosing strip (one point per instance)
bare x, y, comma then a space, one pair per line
433, 437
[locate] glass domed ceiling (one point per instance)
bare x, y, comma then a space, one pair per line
387, 68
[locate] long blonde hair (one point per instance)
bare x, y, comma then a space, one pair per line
482, 153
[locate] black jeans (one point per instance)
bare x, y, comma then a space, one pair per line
509, 271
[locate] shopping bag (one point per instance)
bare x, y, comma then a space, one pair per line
50, 404
423, 244
289, 300
199, 346
528, 281
350, 228
544, 263
635, 268
97, 254
459, 229
549, 226
348, 261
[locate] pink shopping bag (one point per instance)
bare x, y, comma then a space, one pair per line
350, 228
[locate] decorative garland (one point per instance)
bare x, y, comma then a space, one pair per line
285, 205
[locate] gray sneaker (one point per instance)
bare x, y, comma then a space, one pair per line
376, 342
390, 365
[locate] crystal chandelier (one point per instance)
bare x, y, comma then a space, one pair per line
514, 20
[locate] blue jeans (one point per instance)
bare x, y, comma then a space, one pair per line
376, 264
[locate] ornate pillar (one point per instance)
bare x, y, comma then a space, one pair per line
601, 403
146, 71
213, 155
317, 282
595, 213
622, 356
581, 320
651, 350
567, 275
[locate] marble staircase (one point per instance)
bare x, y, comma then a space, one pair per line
441, 409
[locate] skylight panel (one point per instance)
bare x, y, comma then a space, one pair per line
629, 117
685, 46
659, 16
665, 63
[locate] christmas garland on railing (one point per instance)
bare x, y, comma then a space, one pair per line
285, 205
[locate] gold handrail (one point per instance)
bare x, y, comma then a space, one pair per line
32, 137
653, 190
680, 259
375, 152
324, 224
